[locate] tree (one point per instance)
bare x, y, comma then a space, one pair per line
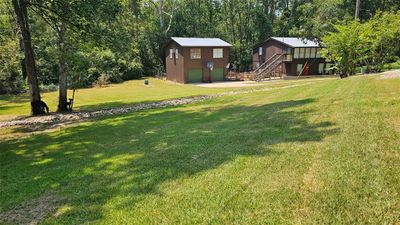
81, 17
347, 46
370, 44
21, 12
11, 79
384, 33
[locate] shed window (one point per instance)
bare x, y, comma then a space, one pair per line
260, 51
176, 53
195, 53
218, 53
171, 53
301, 54
296, 53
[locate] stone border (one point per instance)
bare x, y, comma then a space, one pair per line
58, 118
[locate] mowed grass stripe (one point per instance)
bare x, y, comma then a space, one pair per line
354, 189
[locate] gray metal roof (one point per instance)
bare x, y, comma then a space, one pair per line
296, 42
200, 42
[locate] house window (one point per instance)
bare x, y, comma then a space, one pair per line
296, 53
218, 53
195, 53
176, 53
299, 68
318, 54
301, 55
328, 68
289, 50
260, 51
321, 68
307, 53
171, 53
312, 54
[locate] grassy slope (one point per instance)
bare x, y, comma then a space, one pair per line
129, 92
328, 153
114, 95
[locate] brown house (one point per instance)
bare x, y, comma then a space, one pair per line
191, 60
299, 56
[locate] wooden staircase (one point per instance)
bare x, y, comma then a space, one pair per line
268, 68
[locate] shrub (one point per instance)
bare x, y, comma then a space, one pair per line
48, 87
101, 81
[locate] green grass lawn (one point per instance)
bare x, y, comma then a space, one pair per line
323, 153
114, 95
129, 92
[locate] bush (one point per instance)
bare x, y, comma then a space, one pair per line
11, 80
48, 87
370, 44
131, 70
102, 81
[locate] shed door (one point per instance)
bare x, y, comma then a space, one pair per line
195, 75
217, 74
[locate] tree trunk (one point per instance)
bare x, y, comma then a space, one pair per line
232, 19
357, 13
30, 65
160, 7
22, 61
62, 79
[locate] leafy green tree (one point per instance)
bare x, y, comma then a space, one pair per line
11, 80
384, 33
372, 43
83, 17
347, 46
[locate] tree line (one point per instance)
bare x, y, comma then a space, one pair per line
75, 44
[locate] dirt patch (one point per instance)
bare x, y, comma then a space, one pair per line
32, 212
228, 84
311, 185
391, 74
397, 125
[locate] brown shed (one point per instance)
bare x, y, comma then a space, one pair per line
191, 60
300, 56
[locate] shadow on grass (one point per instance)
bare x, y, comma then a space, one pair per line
129, 157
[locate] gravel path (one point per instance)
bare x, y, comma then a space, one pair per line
391, 74
59, 118
55, 118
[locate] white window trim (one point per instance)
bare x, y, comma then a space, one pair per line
216, 52
191, 55
176, 53
171, 53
